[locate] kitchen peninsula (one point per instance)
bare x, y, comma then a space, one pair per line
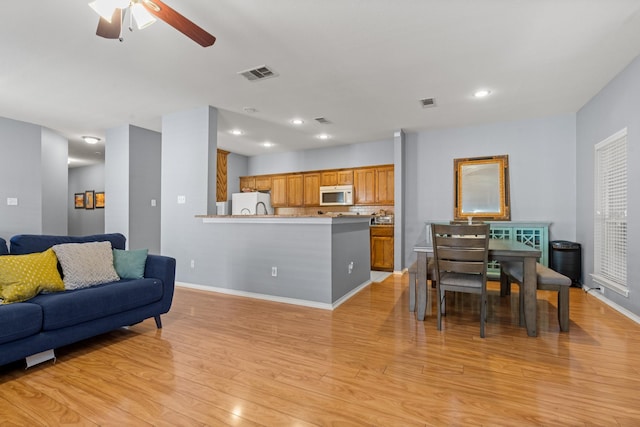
313, 260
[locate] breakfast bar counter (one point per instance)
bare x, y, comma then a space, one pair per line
314, 260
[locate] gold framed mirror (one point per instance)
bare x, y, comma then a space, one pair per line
481, 186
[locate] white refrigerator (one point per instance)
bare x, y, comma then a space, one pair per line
248, 203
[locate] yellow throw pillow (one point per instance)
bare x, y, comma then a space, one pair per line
25, 276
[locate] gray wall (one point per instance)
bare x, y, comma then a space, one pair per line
132, 180
55, 172
32, 156
187, 142
237, 166
85, 221
335, 157
145, 153
542, 169
614, 108
116, 184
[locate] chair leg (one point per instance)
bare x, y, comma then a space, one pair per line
483, 313
563, 308
158, 322
440, 298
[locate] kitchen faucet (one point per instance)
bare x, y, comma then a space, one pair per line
266, 212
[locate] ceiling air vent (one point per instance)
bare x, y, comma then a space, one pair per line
259, 73
322, 120
428, 102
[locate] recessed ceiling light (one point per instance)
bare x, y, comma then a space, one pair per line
481, 93
297, 122
91, 139
267, 144
236, 132
323, 136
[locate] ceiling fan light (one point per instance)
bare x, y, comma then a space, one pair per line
142, 16
104, 8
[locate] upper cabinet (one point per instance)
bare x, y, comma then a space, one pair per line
384, 185
263, 183
295, 190
312, 189
372, 185
247, 182
336, 177
279, 190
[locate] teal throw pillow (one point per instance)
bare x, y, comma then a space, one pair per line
130, 264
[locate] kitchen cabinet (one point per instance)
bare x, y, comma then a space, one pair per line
336, 177
381, 242
263, 183
279, 190
247, 182
374, 186
311, 189
295, 190
384, 185
364, 186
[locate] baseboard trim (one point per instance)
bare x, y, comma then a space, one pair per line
273, 298
612, 304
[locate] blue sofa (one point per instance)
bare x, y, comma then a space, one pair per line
52, 320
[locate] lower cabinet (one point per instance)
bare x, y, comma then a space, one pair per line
382, 248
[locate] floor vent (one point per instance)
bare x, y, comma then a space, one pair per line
259, 73
428, 102
322, 120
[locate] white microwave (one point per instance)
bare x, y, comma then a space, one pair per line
336, 195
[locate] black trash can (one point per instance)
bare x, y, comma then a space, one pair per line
566, 258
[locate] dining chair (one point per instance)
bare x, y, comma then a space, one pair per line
461, 253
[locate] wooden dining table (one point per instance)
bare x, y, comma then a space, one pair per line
499, 250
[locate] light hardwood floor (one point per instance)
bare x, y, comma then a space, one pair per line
225, 360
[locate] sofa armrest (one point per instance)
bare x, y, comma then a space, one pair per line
163, 268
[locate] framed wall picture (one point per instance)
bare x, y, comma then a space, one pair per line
100, 200
89, 199
78, 200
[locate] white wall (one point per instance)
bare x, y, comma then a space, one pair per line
85, 221
614, 108
542, 170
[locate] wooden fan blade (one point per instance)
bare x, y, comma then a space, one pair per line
179, 22
110, 30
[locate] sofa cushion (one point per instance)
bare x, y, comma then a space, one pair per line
86, 264
130, 264
29, 243
3, 247
24, 276
70, 308
19, 321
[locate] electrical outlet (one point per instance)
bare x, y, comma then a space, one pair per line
350, 267
193, 263
182, 200
274, 271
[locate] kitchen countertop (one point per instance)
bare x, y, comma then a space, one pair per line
285, 219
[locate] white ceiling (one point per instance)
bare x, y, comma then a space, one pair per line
362, 64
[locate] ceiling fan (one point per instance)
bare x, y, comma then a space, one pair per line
113, 12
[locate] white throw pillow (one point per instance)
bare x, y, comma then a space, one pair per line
86, 264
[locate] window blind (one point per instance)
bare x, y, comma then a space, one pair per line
610, 221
